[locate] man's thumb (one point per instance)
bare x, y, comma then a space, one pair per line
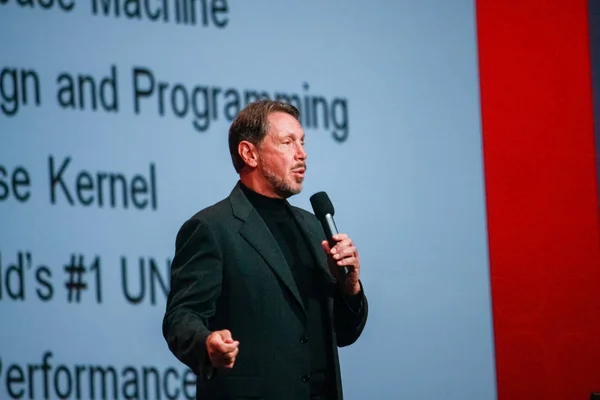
225, 335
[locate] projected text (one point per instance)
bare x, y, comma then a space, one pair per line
79, 278
149, 94
50, 378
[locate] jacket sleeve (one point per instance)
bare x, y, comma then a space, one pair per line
349, 316
196, 276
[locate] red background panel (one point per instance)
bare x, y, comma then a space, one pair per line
542, 197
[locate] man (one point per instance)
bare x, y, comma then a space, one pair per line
258, 305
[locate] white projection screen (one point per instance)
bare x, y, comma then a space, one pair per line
113, 131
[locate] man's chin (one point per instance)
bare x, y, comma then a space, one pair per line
297, 188
292, 190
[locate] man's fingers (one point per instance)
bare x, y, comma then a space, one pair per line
223, 347
339, 237
231, 351
341, 245
227, 360
345, 252
223, 342
230, 355
347, 261
337, 247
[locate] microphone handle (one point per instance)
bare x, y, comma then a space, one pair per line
330, 230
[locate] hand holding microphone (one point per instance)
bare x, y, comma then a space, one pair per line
344, 262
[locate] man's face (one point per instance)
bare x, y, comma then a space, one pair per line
281, 155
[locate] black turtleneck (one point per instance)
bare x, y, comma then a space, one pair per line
310, 279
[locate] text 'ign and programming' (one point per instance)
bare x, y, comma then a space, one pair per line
144, 92
149, 92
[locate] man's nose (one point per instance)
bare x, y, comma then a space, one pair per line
301, 154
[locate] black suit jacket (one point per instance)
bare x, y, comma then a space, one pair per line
228, 273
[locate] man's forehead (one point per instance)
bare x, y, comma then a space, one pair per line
283, 124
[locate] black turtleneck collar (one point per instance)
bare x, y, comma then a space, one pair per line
262, 202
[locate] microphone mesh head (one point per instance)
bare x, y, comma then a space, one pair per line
321, 204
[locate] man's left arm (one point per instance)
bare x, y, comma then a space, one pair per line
350, 307
349, 316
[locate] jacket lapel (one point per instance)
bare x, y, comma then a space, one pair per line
313, 244
255, 231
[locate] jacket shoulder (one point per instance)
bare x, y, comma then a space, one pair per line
210, 222
218, 211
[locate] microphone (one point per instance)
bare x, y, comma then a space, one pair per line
323, 209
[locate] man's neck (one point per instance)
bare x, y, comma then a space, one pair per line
256, 184
262, 202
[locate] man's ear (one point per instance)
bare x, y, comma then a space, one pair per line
249, 153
